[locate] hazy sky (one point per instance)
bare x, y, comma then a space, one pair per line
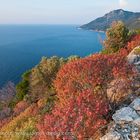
59, 11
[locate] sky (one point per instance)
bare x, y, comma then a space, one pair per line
60, 11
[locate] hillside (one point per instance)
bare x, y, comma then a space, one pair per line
131, 19
75, 98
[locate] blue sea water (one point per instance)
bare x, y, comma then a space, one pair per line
22, 46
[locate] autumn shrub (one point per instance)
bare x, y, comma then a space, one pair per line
134, 42
79, 119
92, 73
21, 126
49, 104
25, 130
5, 121
20, 107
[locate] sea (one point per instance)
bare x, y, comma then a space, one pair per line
23, 46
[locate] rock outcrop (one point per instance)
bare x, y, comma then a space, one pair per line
118, 90
134, 57
126, 123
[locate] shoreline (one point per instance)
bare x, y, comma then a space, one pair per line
100, 31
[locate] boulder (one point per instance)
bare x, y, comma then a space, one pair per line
126, 123
118, 90
136, 104
134, 57
125, 115
137, 122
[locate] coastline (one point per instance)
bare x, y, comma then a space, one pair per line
100, 31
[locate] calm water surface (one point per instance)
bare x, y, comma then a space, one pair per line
22, 46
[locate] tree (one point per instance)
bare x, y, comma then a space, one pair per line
116, 37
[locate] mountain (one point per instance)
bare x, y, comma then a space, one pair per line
131, 19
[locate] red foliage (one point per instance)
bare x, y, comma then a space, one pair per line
5, 121
83, 104
20, 107
80, 118
89, 73
134, 42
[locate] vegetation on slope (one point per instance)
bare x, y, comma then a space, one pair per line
117, 37
66, 98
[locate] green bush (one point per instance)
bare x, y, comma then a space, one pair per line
38, 82
22, 89
117, 37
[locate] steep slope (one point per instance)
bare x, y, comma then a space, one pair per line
131, 19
